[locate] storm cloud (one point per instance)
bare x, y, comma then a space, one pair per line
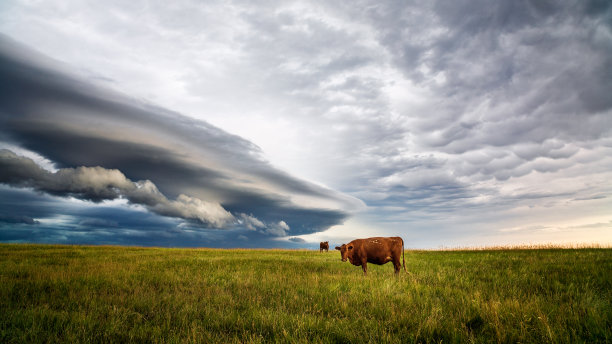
441, 122
106, 146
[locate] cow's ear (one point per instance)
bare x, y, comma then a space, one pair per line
338, 248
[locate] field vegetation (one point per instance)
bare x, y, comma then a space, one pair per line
125, 294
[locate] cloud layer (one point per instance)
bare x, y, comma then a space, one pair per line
107, 146
450, 121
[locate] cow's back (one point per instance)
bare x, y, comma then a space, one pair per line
380, 250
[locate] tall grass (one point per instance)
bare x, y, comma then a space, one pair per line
126, 294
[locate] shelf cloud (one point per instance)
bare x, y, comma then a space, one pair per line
107, 146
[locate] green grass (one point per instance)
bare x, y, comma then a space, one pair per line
124, 294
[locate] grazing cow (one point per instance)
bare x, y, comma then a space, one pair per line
324, 246
377, 250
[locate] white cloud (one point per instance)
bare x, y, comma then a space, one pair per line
97, 184
250, 222
277, 229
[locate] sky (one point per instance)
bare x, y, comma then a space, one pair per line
286, 123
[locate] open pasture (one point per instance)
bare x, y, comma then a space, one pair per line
126, 294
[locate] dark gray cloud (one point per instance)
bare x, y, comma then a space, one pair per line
18, 219
101, 141
96, 223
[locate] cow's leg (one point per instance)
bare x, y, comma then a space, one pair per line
364, 266
397, 265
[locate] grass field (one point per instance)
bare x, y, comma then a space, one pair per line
124, 294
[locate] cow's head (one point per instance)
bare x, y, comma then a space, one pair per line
346, 251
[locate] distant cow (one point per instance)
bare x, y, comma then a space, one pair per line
377, 250
324, 246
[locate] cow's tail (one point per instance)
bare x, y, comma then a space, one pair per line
403, 261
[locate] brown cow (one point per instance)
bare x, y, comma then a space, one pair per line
376, 250
324, 245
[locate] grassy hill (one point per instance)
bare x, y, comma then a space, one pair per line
126, 294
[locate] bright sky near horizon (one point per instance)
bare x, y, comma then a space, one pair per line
286, 123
